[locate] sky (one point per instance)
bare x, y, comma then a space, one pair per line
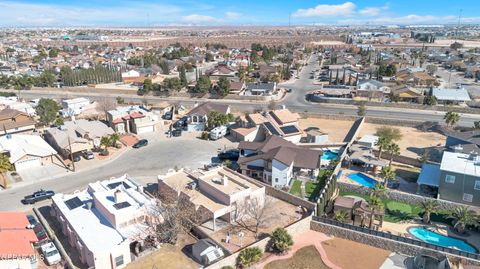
141, 13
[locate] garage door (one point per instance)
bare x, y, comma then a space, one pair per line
145, 129
25, 164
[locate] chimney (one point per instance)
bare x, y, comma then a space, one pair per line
118, 195
224, 180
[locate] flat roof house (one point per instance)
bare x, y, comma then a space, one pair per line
14, 121
276, 161
103, 222
26, 151
216, 193
16, 242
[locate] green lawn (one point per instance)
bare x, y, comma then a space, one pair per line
295, 189
397, 211
312, 189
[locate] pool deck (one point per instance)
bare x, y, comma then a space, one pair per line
346, 172
473, 238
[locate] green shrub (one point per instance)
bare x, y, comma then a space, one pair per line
249, 256
281, 240
204, 136
104, 152
227, 267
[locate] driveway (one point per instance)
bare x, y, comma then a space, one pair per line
145, 164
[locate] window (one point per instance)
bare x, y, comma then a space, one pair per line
118, 260
450, 179
467, 197
276, 179
477, 185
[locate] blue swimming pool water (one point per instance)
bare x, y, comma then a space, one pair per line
329, 155
441, 240
363, 179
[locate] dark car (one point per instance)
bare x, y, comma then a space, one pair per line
289, 90
37, 228
168, 115
181, 123
38, 196
141, 92
75, 157
231, 155
177, 132
141, 143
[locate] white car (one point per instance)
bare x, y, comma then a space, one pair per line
50, 253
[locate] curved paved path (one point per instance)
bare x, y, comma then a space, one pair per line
303, 240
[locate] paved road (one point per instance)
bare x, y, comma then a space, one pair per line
143, 164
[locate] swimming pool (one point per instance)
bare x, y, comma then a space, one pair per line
441, 240
363, 179
329, 155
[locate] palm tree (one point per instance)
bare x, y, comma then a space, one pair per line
341, 216
114, 139
376, 204
387, 174
381, 144
451, 118
429, 206
5, 165
378, 191
392, 149
105, 141
462, 217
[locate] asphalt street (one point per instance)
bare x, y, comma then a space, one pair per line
143, 164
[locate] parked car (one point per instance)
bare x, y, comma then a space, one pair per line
50, 253
177, 132
232, 155
181, 123
37, 197
40, 232
140, 143
75, 157
168, 115
140, 92
88, 155
289, 90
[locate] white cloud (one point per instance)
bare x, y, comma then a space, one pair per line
346, 9
232, 15
200, 19
29, 14
370, 11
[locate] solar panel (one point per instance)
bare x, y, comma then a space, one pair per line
121, 205
271, 128
289, 129
116, 184
73, 203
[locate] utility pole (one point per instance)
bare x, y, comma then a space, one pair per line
71, 154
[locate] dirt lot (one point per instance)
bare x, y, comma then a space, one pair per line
413, 140
304, 258
359, 255
336, 129
168, 256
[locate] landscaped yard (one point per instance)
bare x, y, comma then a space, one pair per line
397, 211
304, 258
410, 174
295, 189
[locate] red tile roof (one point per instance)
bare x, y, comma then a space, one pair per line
136, 115
15, 239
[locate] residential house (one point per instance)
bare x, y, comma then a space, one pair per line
277, 161
371, 89
13, 103
73, 107
16, 242
258, 126
197, 118
76, 136
26, 151
133, 119
451, 96
104, 222
224, 71
405, 93
13, 121
237, 87
130, 76
261, 88
216, 193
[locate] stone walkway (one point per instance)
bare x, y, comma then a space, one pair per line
303, 240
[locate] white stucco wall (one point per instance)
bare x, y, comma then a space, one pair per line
281, 174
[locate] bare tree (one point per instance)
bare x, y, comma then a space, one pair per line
253, 214
104, 104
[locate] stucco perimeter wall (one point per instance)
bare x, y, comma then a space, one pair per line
298, 227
